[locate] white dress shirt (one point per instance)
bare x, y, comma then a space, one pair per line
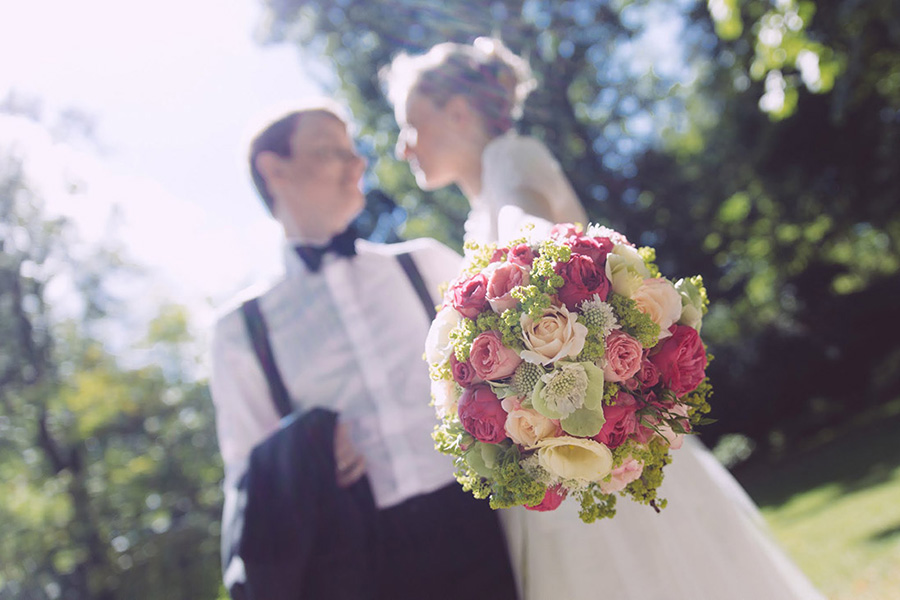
349, 338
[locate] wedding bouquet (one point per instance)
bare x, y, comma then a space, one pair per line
567, 366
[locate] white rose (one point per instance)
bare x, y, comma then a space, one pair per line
575, 458
527, 427
659, 299
625, 270
437, 343
445, 396
556, 335
691, 303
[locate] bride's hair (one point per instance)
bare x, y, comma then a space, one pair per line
493, 79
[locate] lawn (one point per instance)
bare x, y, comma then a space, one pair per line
835, 508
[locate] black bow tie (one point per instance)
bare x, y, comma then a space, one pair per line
343, 244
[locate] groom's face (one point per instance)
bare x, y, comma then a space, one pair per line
319, 184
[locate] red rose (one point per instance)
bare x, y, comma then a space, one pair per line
482, 415
648, 376
522, 255
681, 360
462, 372
552, 499
621, 421
583, 278
468, 296
596, 248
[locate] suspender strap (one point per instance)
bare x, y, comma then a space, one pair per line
259, 336
415, 278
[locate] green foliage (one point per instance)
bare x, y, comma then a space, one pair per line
635, 323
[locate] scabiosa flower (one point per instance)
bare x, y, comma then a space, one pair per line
563, 391
598, 314
526, 377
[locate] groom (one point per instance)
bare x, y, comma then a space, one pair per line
346, 328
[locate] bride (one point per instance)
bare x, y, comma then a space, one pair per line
455, 106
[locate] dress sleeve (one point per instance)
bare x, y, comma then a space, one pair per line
520, 171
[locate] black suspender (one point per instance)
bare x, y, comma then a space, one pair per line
259, 337
415, 278
259, 334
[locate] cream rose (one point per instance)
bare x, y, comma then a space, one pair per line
556, 335
659, 299
437, 343
445, 397
527, 427
625, 270
575, 458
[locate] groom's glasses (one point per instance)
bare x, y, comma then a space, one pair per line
329, 153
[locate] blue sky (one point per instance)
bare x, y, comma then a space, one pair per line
174, 86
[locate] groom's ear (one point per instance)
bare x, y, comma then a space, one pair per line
269, 166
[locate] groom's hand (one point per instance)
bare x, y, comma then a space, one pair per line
349, 463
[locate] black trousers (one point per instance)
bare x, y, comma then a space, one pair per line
445, 545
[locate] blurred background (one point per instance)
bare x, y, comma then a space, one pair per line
756, 142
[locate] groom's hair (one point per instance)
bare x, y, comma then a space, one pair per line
276, 137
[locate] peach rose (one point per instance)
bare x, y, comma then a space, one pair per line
628, 471
554, 336
659, 299
623, 356
527, 427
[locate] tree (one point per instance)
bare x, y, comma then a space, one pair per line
109, 474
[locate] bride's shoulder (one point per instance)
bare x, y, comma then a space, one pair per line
518, 150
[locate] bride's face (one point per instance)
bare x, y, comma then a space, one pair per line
431, 142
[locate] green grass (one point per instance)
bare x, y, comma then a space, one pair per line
835, 508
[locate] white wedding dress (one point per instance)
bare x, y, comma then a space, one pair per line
710, 542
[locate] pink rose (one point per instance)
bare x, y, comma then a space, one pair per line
468, 296
490, 359
623, 356
583, 278
552, 499
676, 439
462, 372
482, 415
681, 360
594, 248
563, 230
502, 281
498, 254
522, 255
621, 421
662, 428
628, 471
